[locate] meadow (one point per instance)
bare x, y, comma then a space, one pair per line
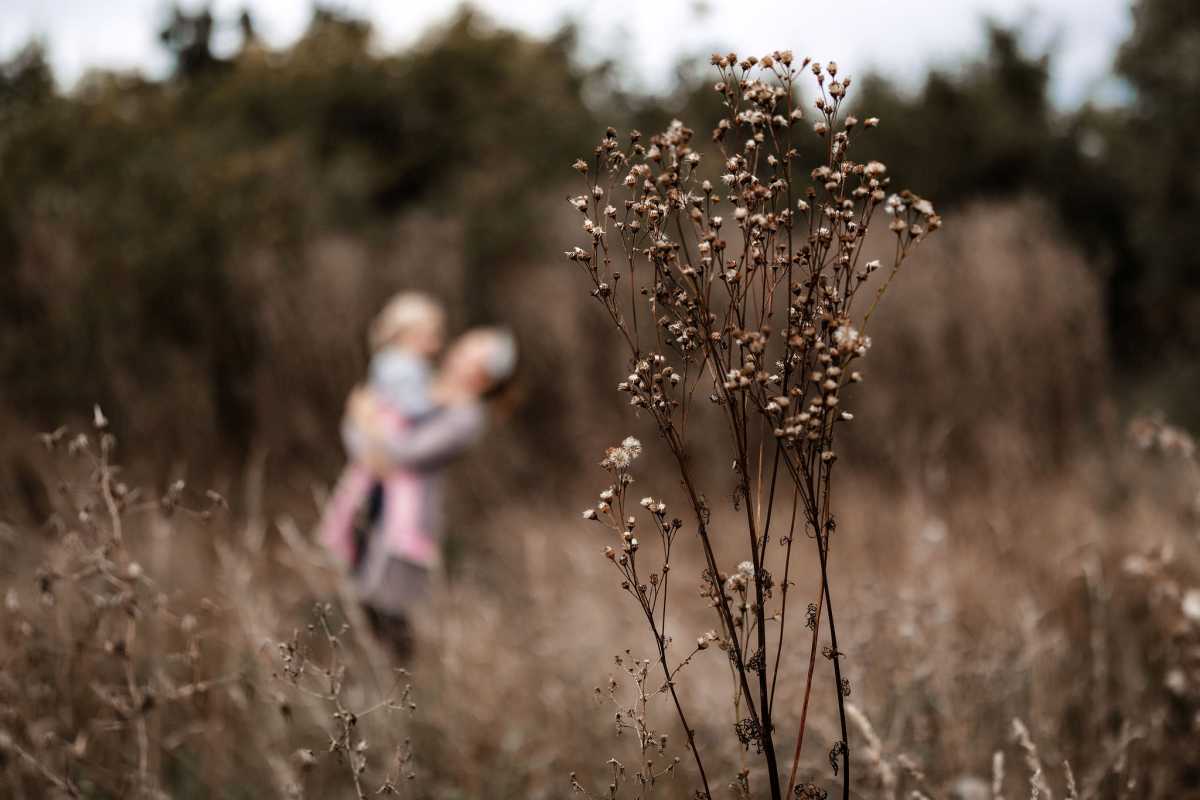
1016, 562
995, 567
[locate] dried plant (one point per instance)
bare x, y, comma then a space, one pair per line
112, 678
1153, 434
767, 322
632, 717
107, 664
1038, 788
325, 681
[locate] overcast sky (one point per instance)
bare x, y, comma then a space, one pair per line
903, 37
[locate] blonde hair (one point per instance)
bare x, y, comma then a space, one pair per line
402, 314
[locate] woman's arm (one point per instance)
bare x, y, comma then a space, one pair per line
436, 441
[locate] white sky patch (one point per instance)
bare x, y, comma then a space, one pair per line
647, 39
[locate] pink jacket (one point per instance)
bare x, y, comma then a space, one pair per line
410, 527
401, 529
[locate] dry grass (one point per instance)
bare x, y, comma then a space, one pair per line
1011, 558
970, 614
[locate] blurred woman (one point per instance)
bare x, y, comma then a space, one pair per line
385, 519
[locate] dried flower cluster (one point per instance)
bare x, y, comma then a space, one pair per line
744, 279
1153, 434
1173, 597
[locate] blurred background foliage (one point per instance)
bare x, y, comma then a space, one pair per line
202, 252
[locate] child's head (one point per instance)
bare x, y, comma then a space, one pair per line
411, 321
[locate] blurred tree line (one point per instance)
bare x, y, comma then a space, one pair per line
130, 207
1124, 181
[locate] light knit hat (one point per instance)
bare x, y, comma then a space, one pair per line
502, 356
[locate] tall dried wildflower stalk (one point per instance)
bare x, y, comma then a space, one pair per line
767, 321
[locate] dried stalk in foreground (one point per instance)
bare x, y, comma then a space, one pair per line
325, 684
117, 673
766, 320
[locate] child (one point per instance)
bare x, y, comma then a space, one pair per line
404, 337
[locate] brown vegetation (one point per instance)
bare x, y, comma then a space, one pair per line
1020, 568
996, 573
